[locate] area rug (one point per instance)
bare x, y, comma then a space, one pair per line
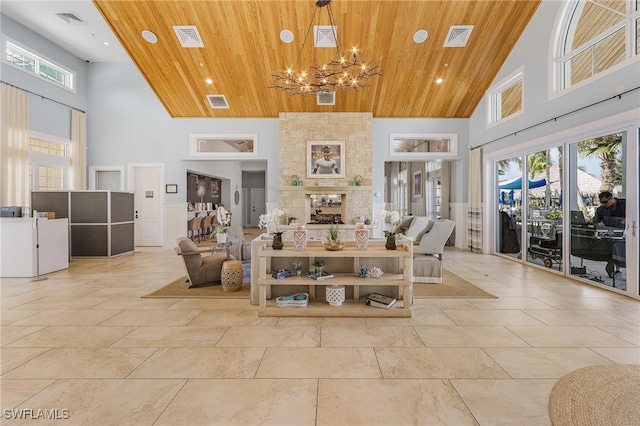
597, 395
180, 288
453, 287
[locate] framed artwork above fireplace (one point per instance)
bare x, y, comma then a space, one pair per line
325, 159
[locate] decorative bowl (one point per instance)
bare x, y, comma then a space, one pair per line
334, 245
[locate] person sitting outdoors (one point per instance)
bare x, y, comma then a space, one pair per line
612, 211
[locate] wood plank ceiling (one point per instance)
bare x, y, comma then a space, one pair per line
242, 50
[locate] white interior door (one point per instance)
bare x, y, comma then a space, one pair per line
148, 206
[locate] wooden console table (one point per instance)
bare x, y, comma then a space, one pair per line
346, 276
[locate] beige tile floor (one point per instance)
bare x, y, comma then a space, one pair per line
84, 343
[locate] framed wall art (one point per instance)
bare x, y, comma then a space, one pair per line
171, 188
325, 159
417, 184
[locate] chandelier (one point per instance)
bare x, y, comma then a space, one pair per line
342, 72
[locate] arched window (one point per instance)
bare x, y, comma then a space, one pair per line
597, 35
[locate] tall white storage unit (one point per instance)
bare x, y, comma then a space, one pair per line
27, 244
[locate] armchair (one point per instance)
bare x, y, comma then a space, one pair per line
427, 255
200, 269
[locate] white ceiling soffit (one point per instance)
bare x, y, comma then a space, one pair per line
326, 98
188, 36
325, 35
458, 36
217, 101
71, 18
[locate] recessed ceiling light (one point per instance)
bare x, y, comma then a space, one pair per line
420, 36
439, 81
149, 36
209, 81
286, 36
106, 43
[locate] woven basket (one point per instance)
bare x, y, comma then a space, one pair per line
293, 303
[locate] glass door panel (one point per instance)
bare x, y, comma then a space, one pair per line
597, 210
544, 212
509, 204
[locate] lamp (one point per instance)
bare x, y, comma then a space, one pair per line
341, 72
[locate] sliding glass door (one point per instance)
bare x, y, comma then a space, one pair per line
572, 207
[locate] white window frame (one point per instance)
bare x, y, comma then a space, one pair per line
493, 98
37, 159
70, 75
557, 58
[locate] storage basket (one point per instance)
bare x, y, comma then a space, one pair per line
293, 303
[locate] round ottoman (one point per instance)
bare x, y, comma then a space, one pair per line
231, 275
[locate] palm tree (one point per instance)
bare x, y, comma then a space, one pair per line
606, 148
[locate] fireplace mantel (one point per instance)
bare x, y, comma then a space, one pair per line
325, 189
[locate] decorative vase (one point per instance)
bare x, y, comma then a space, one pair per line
298, 272
391, 242
277, 242
362, 237
221, 238
300, 238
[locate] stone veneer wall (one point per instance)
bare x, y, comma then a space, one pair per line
355, 129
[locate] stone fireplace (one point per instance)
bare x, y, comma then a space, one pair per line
296, 131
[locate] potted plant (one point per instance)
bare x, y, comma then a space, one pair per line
221, 233
297, 265
295, 180
333, 239
357, 180
391, 240
318, 264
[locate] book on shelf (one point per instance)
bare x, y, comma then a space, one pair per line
324, 275
380, 301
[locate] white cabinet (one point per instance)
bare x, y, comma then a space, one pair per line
396, 264
20, 255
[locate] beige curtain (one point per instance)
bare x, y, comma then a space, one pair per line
14, 152
78, 150
474, 212
445, 189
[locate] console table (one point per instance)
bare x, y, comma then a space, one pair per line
396, 264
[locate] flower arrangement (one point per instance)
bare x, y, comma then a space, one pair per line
357, 180
271, 218
295, 179
224, 217
219, 229
393, 215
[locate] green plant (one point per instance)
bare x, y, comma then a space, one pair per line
333, 233
219, 229
297, 265
389, 233
319, 263
554, 214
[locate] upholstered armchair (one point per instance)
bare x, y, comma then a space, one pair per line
200, 269
427, 254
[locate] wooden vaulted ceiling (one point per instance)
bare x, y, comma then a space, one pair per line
242, 50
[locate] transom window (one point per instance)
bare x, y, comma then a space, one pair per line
506, 99
36, 64
600, 34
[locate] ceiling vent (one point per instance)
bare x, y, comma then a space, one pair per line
458, 36
325, 35
326, 98
217, 101
71, 18
188, 36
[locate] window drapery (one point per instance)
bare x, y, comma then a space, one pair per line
14, 151
474, 212
78, 150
